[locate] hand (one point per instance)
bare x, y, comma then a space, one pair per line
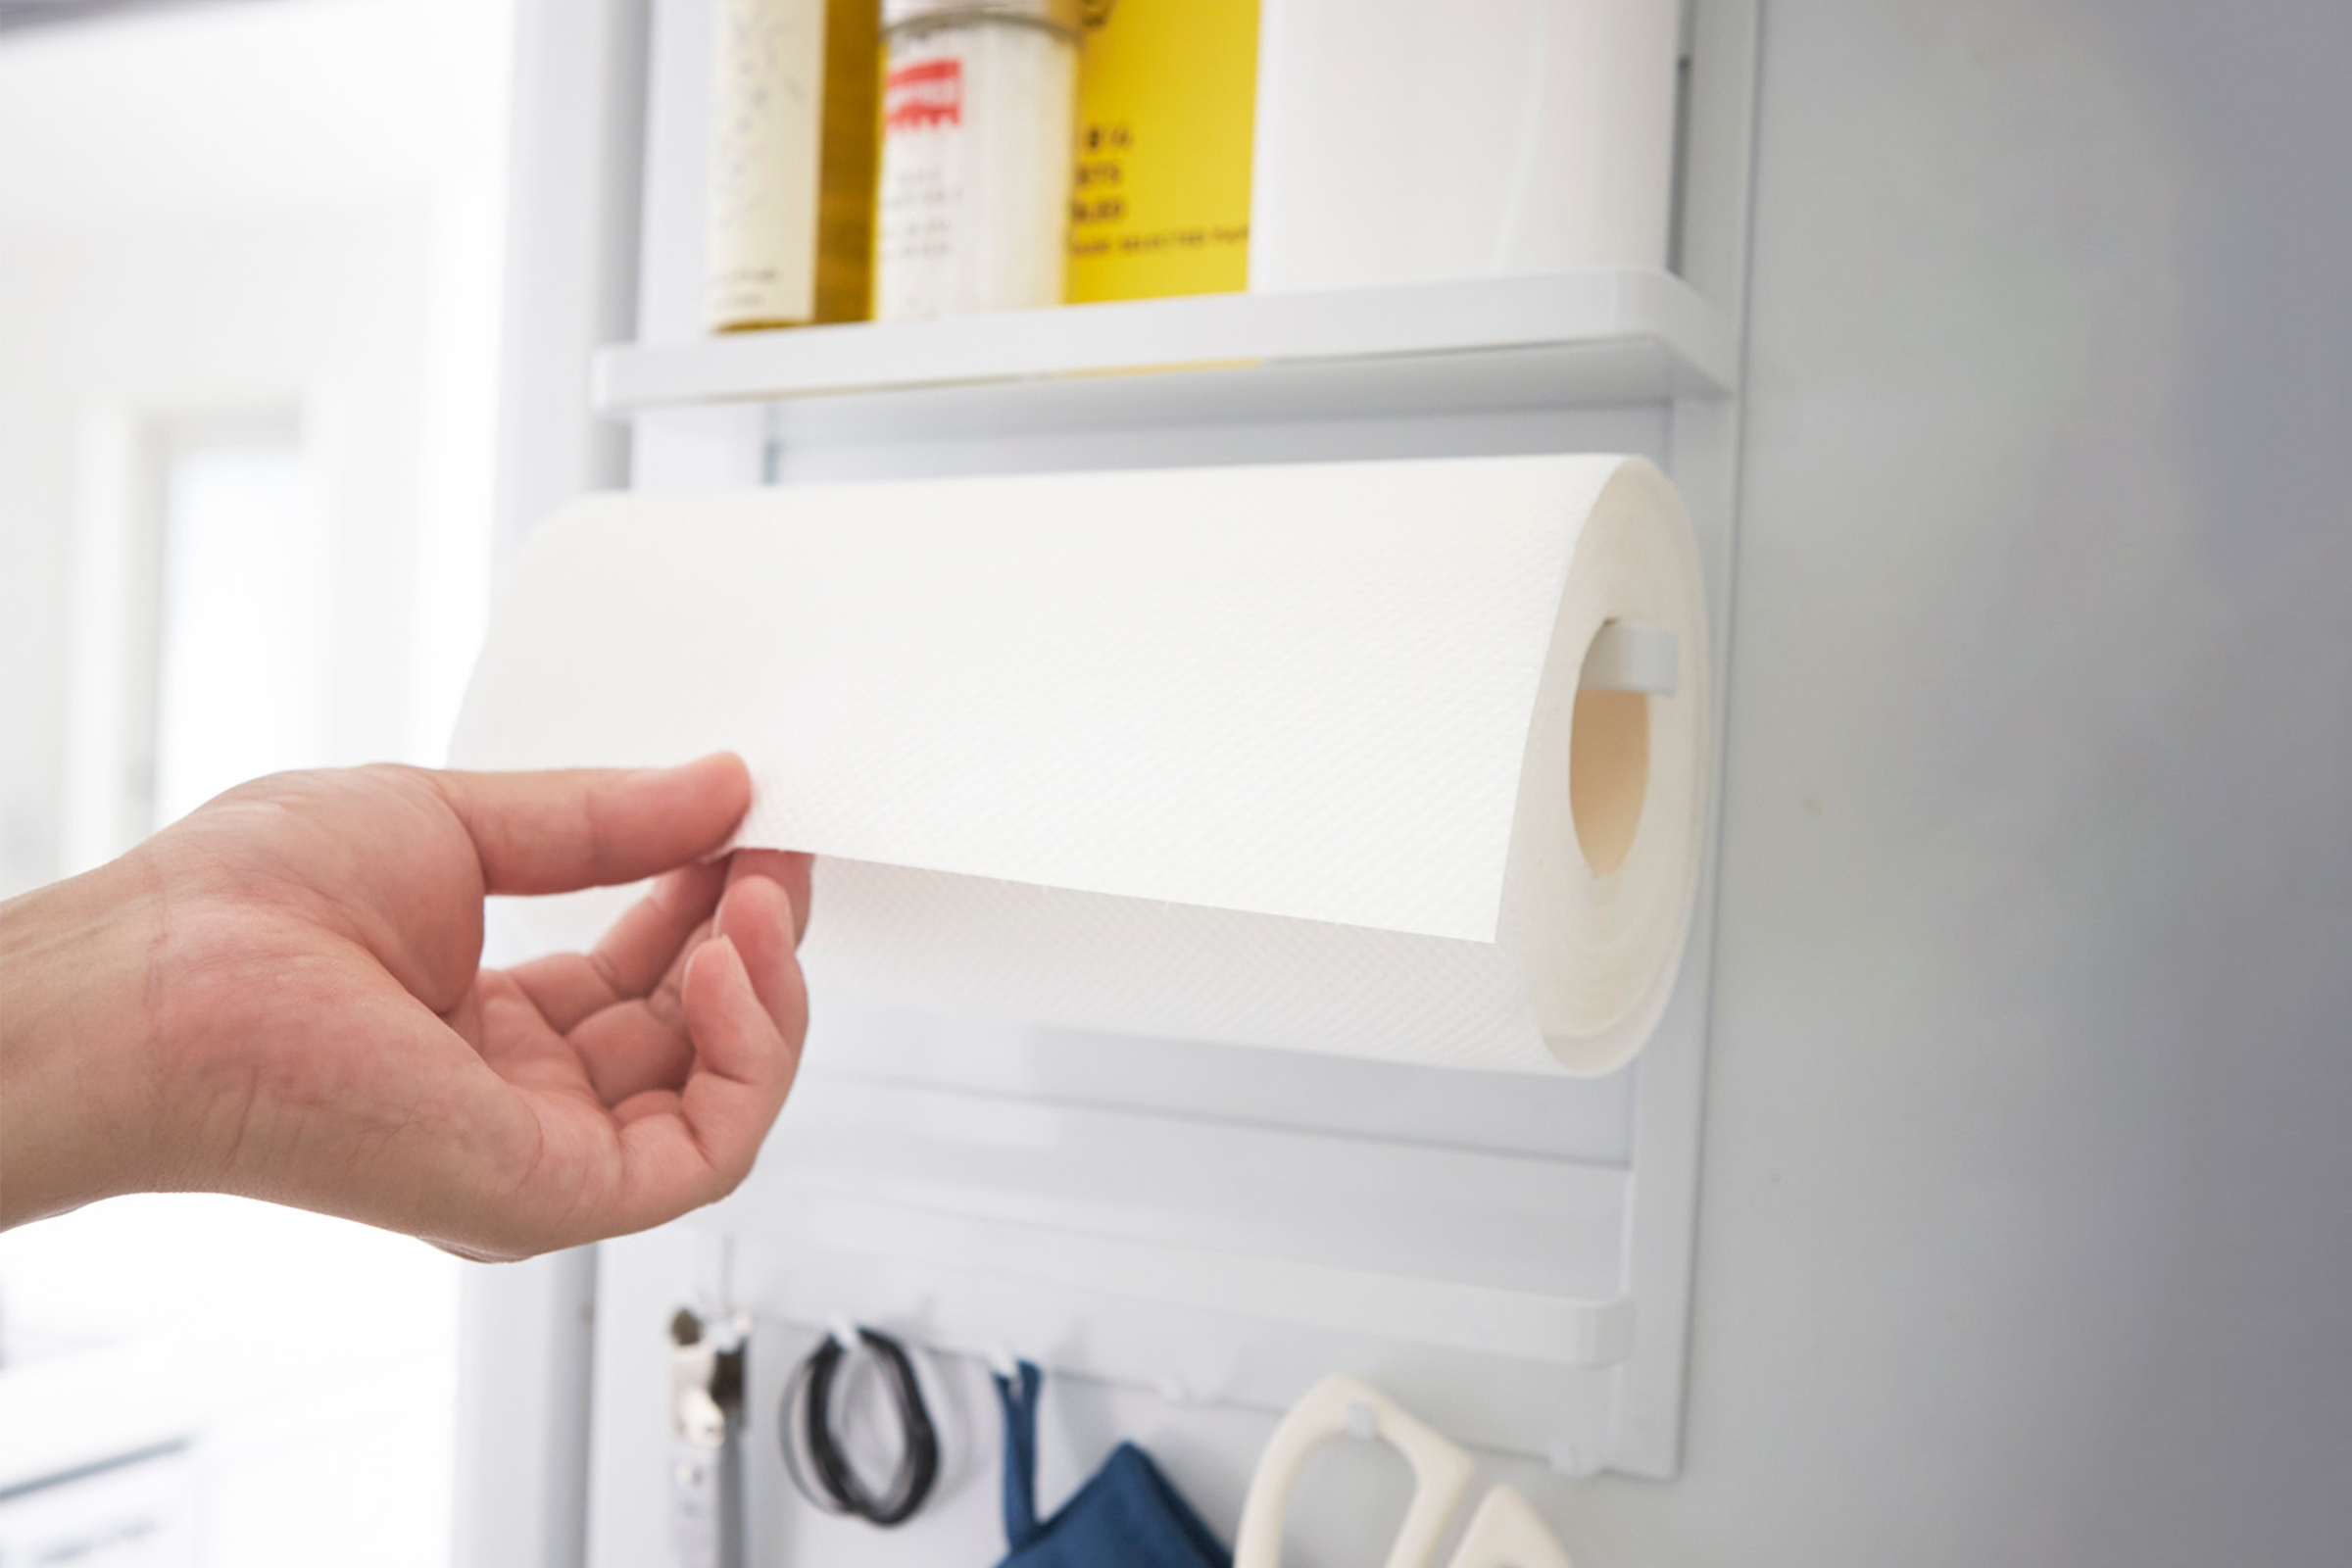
280, 995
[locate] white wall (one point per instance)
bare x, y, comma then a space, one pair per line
2023, 1234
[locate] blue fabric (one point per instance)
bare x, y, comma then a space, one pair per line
1125, 1517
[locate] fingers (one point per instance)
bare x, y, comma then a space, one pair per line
746, 1027
740, 1035
788, 869
551, 832
635, 1044
632, 1048
644, 945
645, 941
761, 918
683, 1092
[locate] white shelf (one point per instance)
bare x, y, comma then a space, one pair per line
1507, 1254
1609, 335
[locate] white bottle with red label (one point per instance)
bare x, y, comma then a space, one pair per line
978, 110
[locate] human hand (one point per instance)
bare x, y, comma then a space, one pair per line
280, 995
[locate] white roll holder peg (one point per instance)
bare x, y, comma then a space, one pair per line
1628, 657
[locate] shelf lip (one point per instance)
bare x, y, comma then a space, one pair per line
1185, 1181
1592, 308
1527, 1325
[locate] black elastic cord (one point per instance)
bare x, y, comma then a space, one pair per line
837, 1488
788, 1437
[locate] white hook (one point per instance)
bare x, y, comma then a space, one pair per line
843, 1333
1002, 1362
1337, 1407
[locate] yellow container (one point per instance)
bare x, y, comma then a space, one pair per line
1168, 95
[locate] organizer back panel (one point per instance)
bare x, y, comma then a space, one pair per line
1172, 1225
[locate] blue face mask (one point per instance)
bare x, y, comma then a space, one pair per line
1127, 1516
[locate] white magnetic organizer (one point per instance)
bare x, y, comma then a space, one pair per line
1510, 1256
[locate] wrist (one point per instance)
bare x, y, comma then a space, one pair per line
78, 1087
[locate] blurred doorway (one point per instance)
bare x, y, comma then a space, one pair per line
246, 575
249, 270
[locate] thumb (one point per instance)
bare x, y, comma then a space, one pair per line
551, 832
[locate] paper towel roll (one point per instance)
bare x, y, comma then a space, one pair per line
1289, 756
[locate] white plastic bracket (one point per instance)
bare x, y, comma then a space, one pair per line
1627, 656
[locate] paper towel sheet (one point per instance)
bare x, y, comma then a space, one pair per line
1272, 755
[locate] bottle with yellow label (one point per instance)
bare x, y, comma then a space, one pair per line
1167, 104
792, 163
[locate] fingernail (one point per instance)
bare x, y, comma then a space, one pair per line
704, 760
716, 949
783, 894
